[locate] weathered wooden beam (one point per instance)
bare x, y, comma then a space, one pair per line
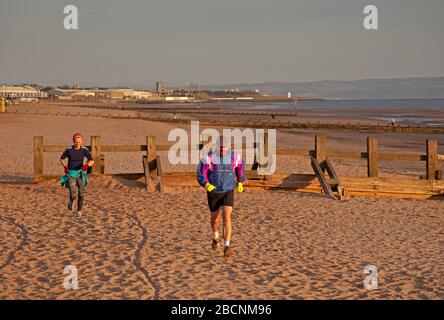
264, 145
102, 164
96, 152
38, 156
58, 148
372, 160
279, 151
160, 174
322, 180
331, 171
151, 154
357, 186
432, 158
295, 152
320, 141
146, 172
402, 157
346, 154
123, 148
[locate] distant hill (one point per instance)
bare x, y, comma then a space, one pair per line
407, 88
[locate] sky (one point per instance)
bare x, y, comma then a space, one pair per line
136, 42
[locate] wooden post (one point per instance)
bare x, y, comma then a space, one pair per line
151, 154
102, 163
95, 152
320, 140
3, 104
322, 180
372, 160
265, 153
38, 156
255, 165
432, 158
160, 174
146, 173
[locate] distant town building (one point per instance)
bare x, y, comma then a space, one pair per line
21, 92
112, 93
141, 95
160, 87
124, 93
56, 92
179, 98
83, 93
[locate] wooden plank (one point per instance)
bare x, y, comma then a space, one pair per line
264, 145
279, 151
123, 148
102, 164
255, 164
38, 156
372, 160
295, 152
357, 186
96, 152
163, 147
432, 158
331, 171
146, 172
160, 174
151, 154
333, 182
402, 157
346, 154
320, 175
58, 148
320, 154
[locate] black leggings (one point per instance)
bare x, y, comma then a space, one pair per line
76, 188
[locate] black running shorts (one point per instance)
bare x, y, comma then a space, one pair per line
216, 200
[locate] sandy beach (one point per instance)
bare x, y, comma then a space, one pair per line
131, 244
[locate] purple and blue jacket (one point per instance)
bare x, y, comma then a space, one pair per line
223, 172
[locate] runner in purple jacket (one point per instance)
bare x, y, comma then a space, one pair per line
220, 172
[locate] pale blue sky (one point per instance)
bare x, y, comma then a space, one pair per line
136, 42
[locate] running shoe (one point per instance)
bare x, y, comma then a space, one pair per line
228, 252
215, 244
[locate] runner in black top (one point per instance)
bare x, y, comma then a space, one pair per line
76, 155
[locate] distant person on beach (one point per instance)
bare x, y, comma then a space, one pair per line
75, 178
220, 172
393, 122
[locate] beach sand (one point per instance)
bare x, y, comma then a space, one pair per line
131, 244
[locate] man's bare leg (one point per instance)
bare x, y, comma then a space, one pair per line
226, 215
215, 222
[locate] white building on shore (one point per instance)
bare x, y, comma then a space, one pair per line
22, 92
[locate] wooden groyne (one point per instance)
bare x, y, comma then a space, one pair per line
431, 186
250, 123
